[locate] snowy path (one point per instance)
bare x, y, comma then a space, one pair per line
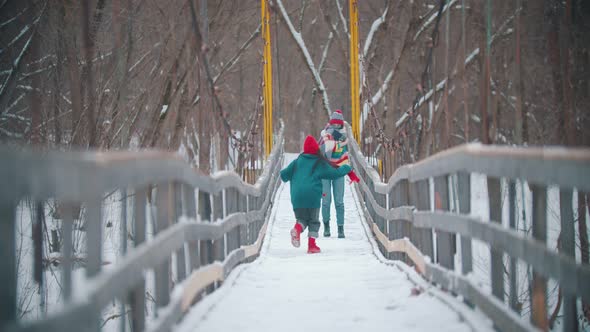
344, 288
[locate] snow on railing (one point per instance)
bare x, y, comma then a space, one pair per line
400, 215
190, 229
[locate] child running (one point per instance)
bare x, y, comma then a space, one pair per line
306, 174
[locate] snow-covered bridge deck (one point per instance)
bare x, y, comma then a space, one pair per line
347, 287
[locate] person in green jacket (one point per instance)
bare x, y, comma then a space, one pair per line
306, 174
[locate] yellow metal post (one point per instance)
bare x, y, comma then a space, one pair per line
354, 70
267, 76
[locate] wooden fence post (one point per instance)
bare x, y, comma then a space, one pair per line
8, 262
539, 283
164, 199
175, 216
66, 240
567, 247
123, 252
424, 205
190, 210
94, 235
513, 263
464, 192
137, 295
497, 271
415, 235
445, 242
398, 229
218, 215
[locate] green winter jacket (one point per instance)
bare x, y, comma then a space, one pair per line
306, 187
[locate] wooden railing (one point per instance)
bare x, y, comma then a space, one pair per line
400, 216
208, 236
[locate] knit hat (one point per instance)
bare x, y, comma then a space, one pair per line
310, 145
337, 118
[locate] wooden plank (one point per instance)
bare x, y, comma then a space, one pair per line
426, 241
401, 246
445, 244
232, 261
66, 240
204, 207
539, 283
218, 245
189, 207
37, 236
254, 249
413, 201
164, 199
497, 270
513, 301
93, 224
122, 253
175, 214
137, 294
464, 192
190, 211
567, 247
404, 192
232, 200
198, 281
219, 249
8, 274
205, 215
217, 209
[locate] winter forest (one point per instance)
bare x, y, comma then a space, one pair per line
186, 77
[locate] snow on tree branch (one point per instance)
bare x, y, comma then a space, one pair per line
325, 52
374, 27
341, 14
376, 98
299, 40
468, 60
15, 65
432, 19
236, 57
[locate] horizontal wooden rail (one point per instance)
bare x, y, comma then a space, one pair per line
539, 165
60, 175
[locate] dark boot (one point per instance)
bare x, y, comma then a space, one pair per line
326, 229
341, 232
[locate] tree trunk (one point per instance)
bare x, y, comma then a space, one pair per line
565, 55
68, 43
35, 95
518, 130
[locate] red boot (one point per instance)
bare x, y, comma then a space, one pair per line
296, 235
312, 248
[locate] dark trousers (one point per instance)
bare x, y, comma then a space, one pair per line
309, 217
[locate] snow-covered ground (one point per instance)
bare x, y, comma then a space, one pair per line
344, 288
